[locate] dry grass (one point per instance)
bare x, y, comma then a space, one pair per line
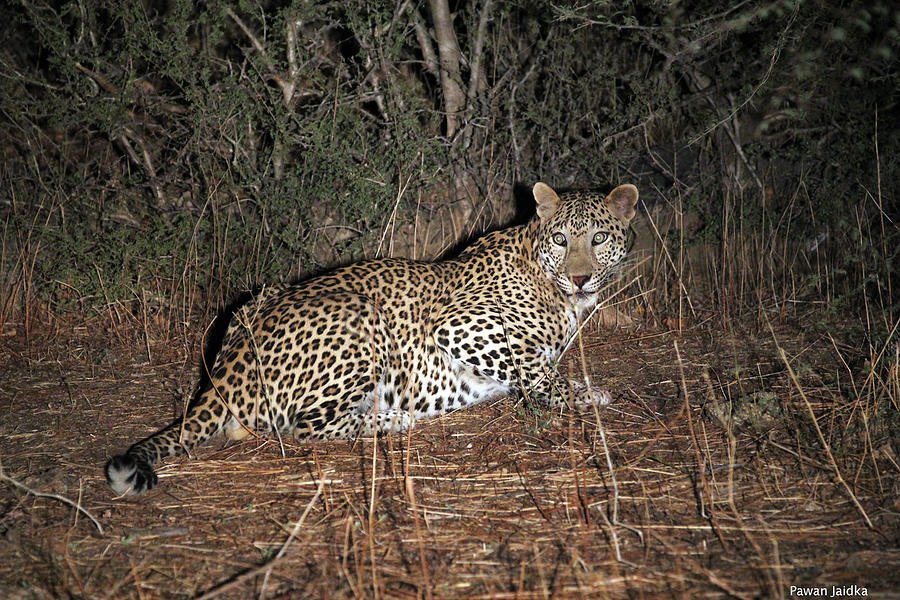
491, 502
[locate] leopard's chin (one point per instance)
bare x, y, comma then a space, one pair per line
583, 298
578, 295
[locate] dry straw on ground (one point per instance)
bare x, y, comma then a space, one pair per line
724, 488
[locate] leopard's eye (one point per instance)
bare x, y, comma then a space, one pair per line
600, 237
559, 239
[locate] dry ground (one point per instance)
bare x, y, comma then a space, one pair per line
494, 502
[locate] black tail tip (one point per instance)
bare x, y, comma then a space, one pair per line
129, 475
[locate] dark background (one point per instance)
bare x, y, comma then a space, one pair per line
190, 150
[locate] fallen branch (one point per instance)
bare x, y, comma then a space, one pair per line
63, 499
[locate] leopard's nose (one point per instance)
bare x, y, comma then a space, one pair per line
580, 280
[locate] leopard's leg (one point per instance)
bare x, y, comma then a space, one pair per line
503, 351
355, 409
353, 424
543, 383
387, 421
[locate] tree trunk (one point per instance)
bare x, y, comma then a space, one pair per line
448, 52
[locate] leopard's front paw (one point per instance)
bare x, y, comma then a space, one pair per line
593, 396
577, 396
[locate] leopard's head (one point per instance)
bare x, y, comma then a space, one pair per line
582, 237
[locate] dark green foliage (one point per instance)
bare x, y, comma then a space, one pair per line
155, 130
209, 145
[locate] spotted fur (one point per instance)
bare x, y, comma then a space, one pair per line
386, 342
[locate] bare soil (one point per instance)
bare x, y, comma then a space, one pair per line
721, 485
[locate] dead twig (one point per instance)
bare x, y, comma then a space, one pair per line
63, 499
293, 534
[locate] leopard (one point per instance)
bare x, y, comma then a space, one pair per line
375, 346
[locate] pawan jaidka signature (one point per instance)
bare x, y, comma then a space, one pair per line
829, 591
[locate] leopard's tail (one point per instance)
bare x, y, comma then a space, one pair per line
132, 472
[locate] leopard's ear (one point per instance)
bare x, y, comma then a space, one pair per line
622, 201
547, 200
